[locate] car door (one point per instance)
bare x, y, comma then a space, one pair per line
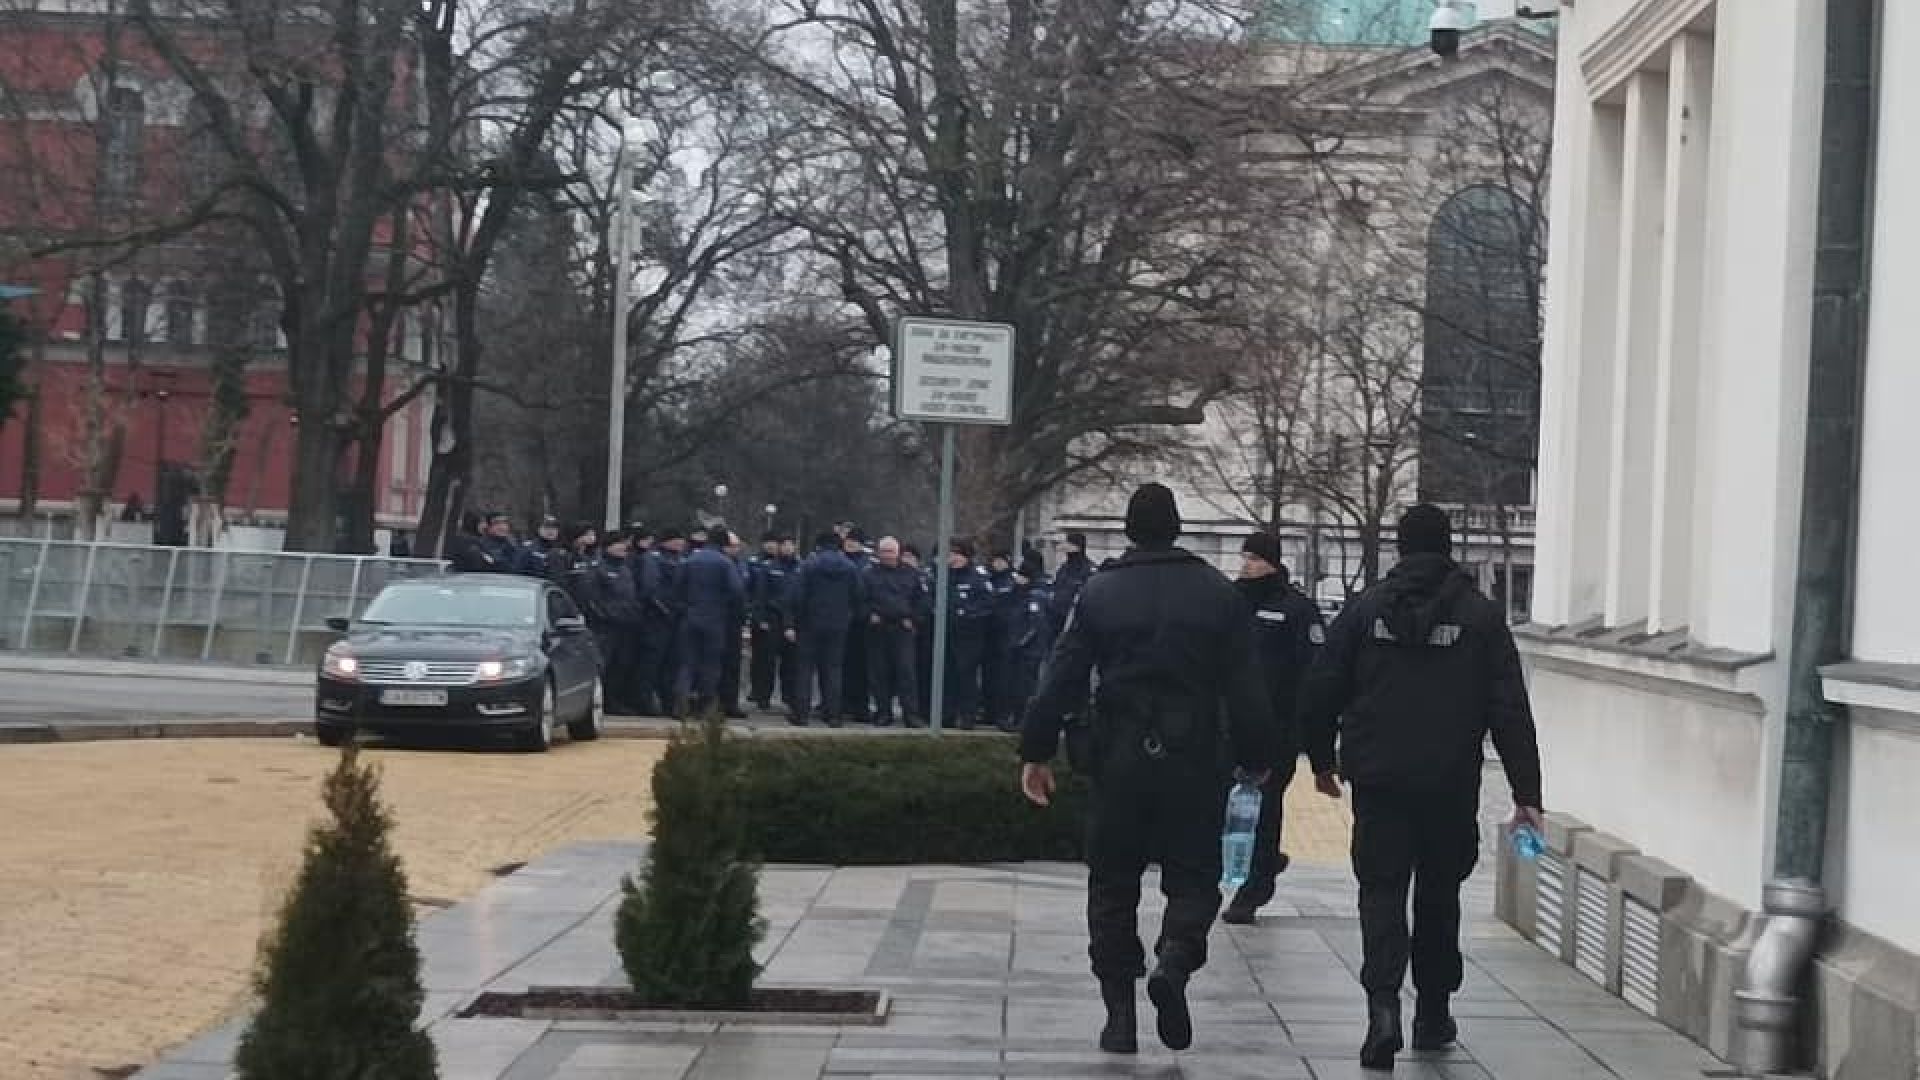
573, 655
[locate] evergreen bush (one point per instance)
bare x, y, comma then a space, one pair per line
340, 981
687, 928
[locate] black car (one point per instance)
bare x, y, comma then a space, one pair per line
486, 652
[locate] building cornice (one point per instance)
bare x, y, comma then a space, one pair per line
1632, 41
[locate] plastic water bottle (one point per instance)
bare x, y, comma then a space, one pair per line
1528, 844
1236, 843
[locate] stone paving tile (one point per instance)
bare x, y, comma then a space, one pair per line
986, 968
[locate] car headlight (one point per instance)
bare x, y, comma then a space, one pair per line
518, 667
341, 664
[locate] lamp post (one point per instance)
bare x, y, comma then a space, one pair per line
720, 493
161, 392
633, 136
769, 510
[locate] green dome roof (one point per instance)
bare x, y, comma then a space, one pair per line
1351, 22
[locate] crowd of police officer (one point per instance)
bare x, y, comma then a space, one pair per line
843, 634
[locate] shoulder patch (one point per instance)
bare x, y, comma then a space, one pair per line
1317, 634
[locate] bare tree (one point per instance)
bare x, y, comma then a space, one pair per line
1074, 170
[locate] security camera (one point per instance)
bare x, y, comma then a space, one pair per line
1446, 26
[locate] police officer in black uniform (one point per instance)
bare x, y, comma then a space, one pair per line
1173, 648
969, 625
1417, 671
615, 591
1287, 634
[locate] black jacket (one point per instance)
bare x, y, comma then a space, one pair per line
1067, 583
825, 593
1174, 650
712, 589
1417, 670
893, 593
1287, 633
615, 595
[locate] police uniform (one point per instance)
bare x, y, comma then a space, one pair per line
969, 625
1417, 671
1288, 634
1172, 647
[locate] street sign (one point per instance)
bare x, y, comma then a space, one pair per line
953, 371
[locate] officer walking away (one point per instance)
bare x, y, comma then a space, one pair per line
711, 593
997, 665
825, 596
969, 622
893, 619
1072, 576
616, 607
1172, 646
1287, 634
1416, 672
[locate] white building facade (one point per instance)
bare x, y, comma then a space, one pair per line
1690, 581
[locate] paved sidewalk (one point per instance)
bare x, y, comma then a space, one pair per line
986, 967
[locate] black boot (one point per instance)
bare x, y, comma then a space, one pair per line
1383, 1032
1167, 988
1433, 1026
1119, 1036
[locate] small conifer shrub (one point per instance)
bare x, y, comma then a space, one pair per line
687, 927
339, 984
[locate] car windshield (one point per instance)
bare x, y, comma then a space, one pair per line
442, 605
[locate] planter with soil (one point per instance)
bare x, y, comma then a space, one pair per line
767, 1005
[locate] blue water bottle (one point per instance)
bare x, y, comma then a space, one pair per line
1528, 844
1236, 843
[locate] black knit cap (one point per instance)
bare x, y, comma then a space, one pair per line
1265, 545
1078, 540
1153, 518
1426, 530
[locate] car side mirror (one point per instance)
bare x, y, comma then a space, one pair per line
570, 624
339, 624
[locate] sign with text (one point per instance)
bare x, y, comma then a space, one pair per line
951, 371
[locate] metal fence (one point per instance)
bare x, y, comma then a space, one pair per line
165, 603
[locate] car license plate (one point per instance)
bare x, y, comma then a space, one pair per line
413, 697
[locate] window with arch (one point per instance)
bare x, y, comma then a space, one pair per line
1480, 373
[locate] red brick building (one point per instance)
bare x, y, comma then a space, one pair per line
97, 138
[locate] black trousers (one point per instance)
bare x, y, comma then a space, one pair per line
702, 648
1429, 841
891, 673
822, 656
730, 668
923, 665
853, 677
663, 659
1167, 811
1261, 882
622, 677
966, 658
772, 664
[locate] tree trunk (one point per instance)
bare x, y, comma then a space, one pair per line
30, 450
447, 478
316, 485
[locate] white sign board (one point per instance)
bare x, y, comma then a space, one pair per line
951, 371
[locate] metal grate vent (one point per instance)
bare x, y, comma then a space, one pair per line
1550, 902
1590, 927
1640, 957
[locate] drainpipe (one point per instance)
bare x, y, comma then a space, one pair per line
1768, 1001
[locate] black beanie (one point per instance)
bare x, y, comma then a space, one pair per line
1265, 545
1426, 530
1153, 519
1077, 540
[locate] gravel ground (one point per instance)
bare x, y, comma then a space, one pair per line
136, 877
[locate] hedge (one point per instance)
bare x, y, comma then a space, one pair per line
891, 800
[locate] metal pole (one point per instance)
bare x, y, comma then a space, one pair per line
80, 609
166, 604
617, 385
942, 576
299, 608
